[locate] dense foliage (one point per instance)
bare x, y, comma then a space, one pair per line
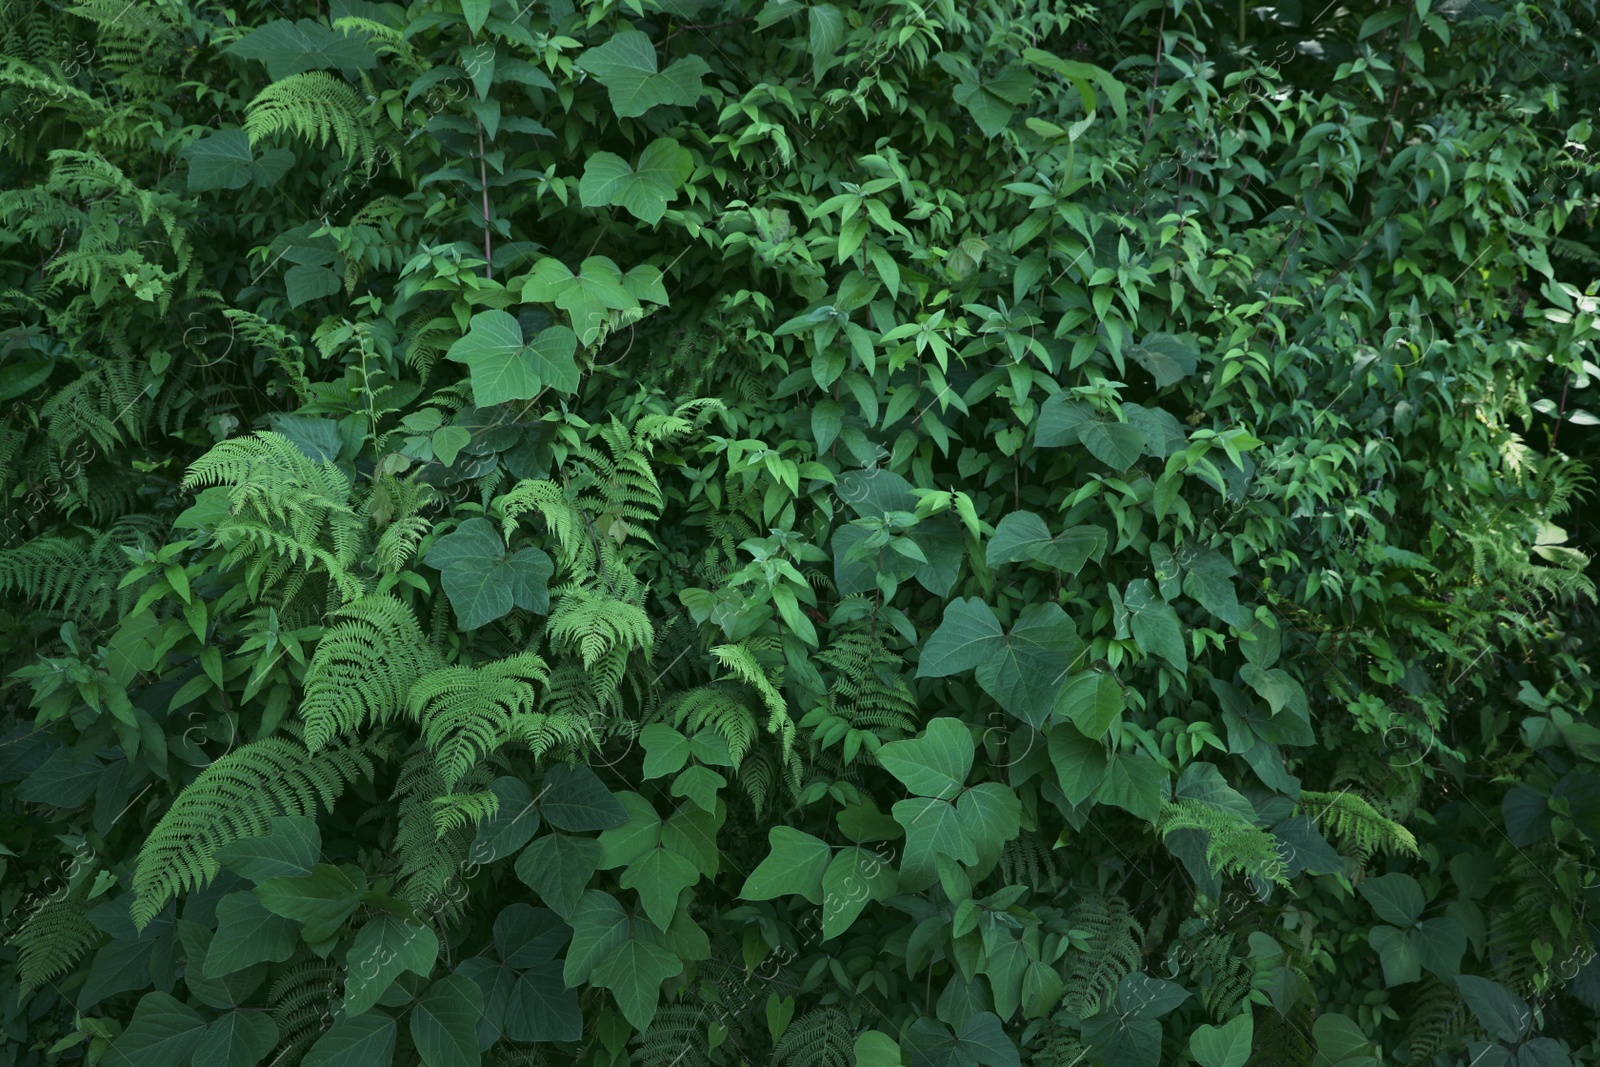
718, 532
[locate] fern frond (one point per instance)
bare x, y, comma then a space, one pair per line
1233, 843
50, 941
468, 712
1113, 937
363, 669
820, 1038
317, 107
1356, 824
236, 797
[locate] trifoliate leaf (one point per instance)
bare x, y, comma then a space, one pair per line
626, 66
506, 368
644, 191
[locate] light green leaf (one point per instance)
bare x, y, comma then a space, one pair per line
1092, 701
795, 865
660, 875
1440, 943
444, 1024
1167, 357
666, 750
626, 66
225, 160
968, 635
504, 368
935, 764
874, 1048
1061, 420
305, 283
588, 297
644, 191
1154, 624
933, 829
991, 815
1223, 1046
634, 973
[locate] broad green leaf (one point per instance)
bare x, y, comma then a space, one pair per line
1227, 1045
935, 764
1396, 954
541, 1008
1061, 420
1397, 898
660, 876
321, 901
575, 799
1026, 670
874, 1048
291, 847
796, 864
969, 634
289, 48
1023, 535
626, 66
1116, 444
237, 1039
634, 973
119, 967
367, 1040
1082, 75
827, 26
991, 815
247, 934
588, 298
476, 12
1440, 943
1154, 624
1149, 998
983, 1039
933, 829
1278, 688
483, 580
599, 927
1163, 433
621, 845
225, 160
1502, 1014
666, 750
1133, 782
644, 191
854, 877
304, 283
1167, 357
558, 867
1208, 579
444, 1024
504, 367
511, 826
384, 947
1092, 701
163, 1031
993, 101
1080, 762
1204, 783
526, 936
1338, 1037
